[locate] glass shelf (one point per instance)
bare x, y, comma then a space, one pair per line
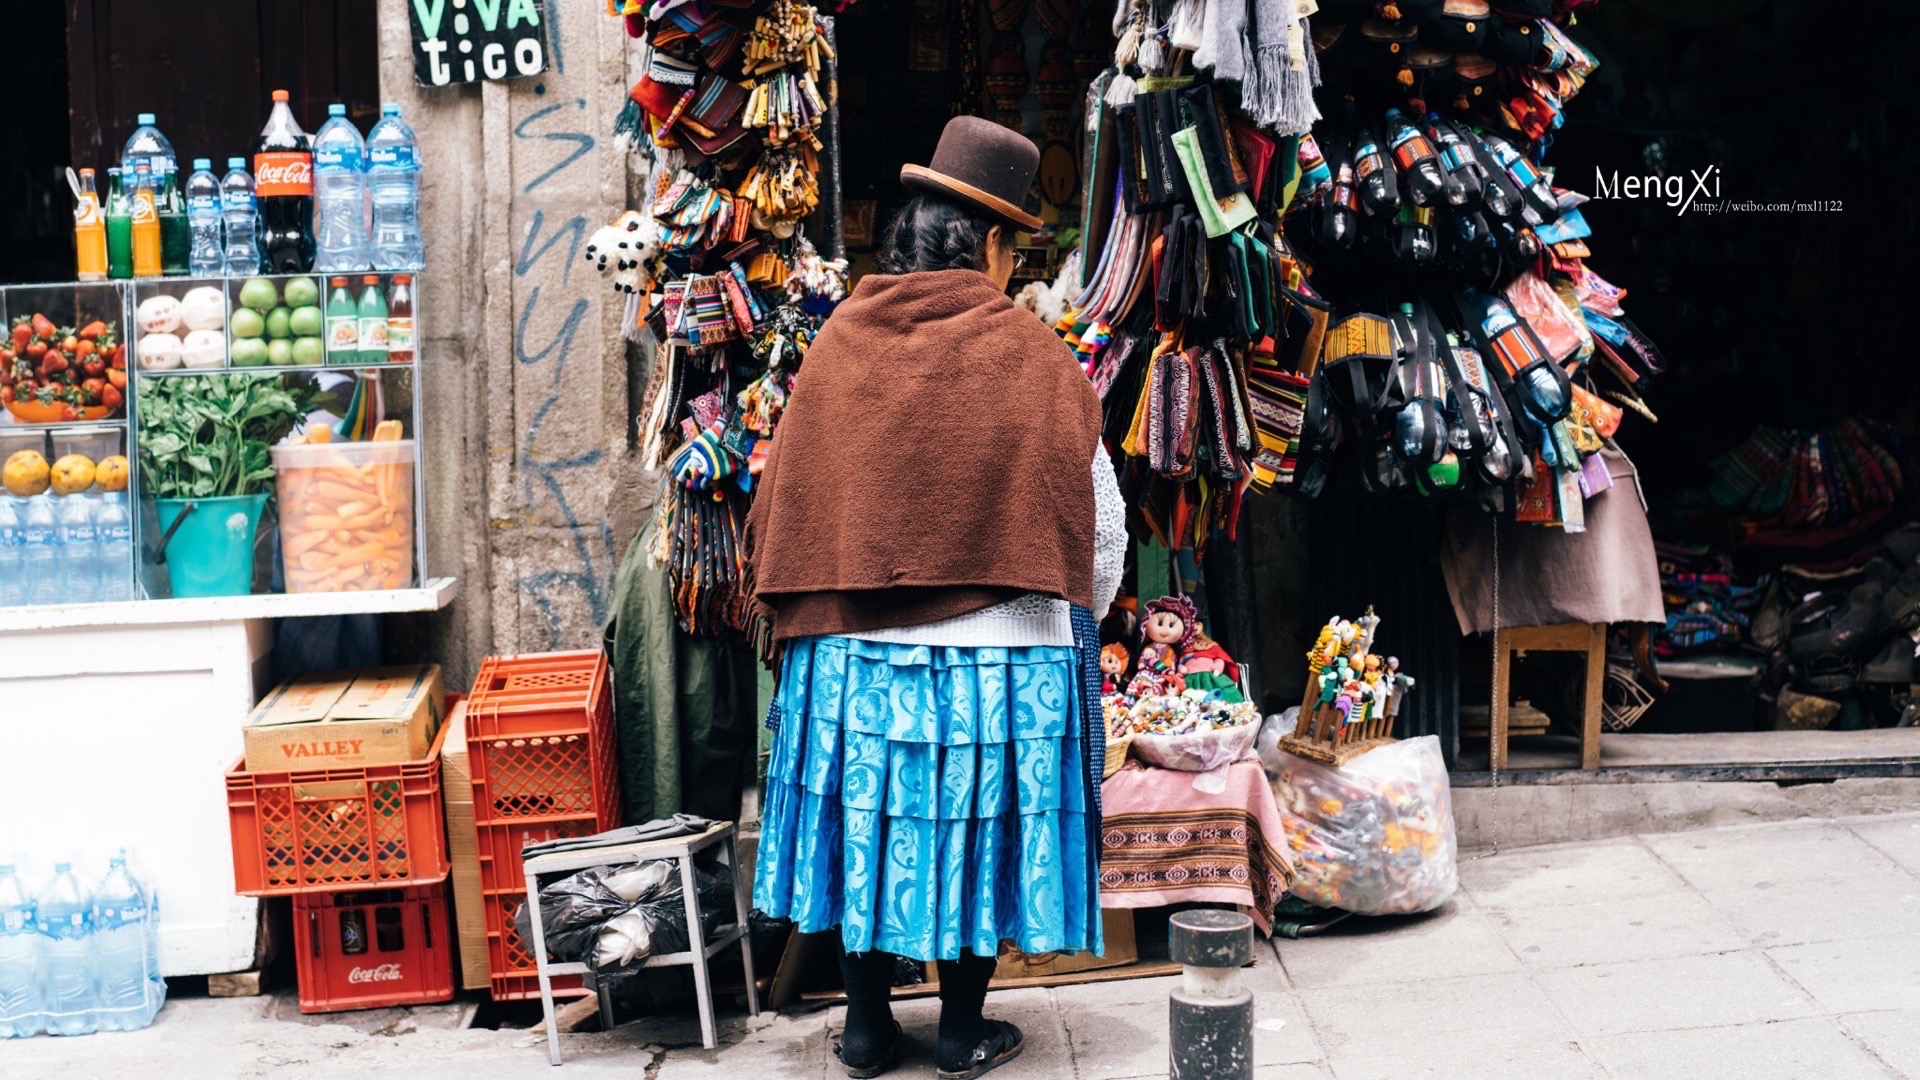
277, 369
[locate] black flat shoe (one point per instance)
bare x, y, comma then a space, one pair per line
888, 1058
1002, 1043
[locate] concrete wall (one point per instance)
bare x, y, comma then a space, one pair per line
531, 493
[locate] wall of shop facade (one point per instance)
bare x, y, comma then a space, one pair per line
532, 489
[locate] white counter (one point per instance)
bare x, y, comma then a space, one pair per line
118, 723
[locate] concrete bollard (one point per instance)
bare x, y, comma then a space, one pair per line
1211, 1014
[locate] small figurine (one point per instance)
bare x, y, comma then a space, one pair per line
1165, 632
1397, 687
1207, 667
1114, 662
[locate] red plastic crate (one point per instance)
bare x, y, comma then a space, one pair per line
509, 962
401, 948
373, 825
540, 694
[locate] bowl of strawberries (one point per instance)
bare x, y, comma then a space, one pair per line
51, 374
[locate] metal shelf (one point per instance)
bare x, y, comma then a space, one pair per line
65, 427
276, 369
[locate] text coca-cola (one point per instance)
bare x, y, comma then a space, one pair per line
283, 189
379, 974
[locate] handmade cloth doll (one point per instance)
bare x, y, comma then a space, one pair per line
1206, 666
1114, 662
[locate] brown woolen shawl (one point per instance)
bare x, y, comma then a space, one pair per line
934, 459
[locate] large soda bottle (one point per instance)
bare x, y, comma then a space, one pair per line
40, 536
283, 183
113, 535
79, 564
393, 156
146, 146
119, 224
20, 1012
131, 989
207, 256
13, 554
340, 195
240, 218
64, 913
89, 232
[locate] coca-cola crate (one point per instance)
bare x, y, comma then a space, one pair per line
504, 886
369, 825
372, 948
540, 694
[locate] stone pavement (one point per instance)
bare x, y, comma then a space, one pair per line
1788, 950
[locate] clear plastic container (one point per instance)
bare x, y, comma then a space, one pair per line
346, 515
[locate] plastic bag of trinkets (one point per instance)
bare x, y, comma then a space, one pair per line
1374, 836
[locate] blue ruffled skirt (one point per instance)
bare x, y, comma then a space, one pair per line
930, 800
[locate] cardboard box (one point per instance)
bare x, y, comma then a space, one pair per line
1117, 929
463, 849
344, 719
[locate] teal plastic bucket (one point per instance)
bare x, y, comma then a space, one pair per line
211, 553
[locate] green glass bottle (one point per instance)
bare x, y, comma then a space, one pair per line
343, 324
119, 227
373, 321
176, 238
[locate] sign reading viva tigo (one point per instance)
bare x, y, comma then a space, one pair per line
463, 41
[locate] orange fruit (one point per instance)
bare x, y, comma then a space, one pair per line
111, 473
72, 474
26, 474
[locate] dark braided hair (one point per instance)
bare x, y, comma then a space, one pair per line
931, 233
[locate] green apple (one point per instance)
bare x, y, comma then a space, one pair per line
307, 321
248, 352
259, 294
277, 322
247, 323
279, 352
309, 350
302, 292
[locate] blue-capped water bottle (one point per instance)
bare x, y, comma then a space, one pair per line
240, 218
20, 1012
339, 195
64, 913
40, 535
206, 252
13, 554
393, 156
131, 990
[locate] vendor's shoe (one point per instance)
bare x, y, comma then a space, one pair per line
1900, 603
1893, 665
1769, 627
880, 1067
1001, 1043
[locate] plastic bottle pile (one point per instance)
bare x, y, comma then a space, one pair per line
75, 960
65, 549
332, 202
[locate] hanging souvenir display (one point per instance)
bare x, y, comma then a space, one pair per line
725, 124
1381, 291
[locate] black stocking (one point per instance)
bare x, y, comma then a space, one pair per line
869, 977
963, 990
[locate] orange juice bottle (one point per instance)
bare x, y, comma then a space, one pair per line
146, 225
90, 231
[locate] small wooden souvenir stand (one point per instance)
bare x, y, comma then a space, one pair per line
1325, 734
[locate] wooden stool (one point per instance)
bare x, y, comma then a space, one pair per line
1511, 643
680, 849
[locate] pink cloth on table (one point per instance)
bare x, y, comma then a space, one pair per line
1173, 837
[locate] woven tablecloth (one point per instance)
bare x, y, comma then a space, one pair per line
1172, 837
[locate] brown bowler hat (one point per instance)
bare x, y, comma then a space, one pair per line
982, 164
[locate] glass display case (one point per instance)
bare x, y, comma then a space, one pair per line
194, 437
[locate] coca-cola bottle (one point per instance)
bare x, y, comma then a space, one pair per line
283, 191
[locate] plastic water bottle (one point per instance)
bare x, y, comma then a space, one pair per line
339, 195
113, 537
64, 913
146, 146
393, 173
20, 1012
207, 256
241, 217
41, 538
13, 554
131, 989
79, 562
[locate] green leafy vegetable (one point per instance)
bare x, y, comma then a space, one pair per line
206, 436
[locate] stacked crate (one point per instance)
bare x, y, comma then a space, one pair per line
363, 853
540, 745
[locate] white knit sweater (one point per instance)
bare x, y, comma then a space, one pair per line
1035, 619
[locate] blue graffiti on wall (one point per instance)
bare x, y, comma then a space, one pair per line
542, 479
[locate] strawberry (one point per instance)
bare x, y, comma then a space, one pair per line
94, 367
22, 332
111, 397
117, 378
36, 349
69, 343
82, 348
93, 329
43, 326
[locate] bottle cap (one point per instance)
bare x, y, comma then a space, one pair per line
201, 163
62, 867
113, 170
142, 167
86, 172
145, 119
337, 281
236, 163
279, 95
391, 108
403, 279
370, 279
336, 109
